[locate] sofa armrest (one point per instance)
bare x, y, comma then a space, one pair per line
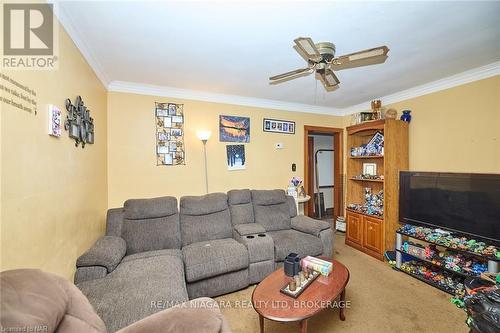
249, 229
201, 315
108, 251
309, 225
88, 273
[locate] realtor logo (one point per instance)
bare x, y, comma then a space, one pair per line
28, 36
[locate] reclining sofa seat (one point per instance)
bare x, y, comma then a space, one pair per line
214, 262
138, 262
277, 214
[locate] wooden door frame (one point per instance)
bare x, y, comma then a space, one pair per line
338, 166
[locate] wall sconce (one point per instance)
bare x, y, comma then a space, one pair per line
204, 136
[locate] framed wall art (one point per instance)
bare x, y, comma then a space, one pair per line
234, 129
278, 126
170, 134
235, 157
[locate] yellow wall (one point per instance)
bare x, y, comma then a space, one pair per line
53, 195
132, 170
457, 129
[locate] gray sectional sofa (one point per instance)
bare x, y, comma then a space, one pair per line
156, 254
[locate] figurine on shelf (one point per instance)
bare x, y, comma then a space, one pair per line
391, 114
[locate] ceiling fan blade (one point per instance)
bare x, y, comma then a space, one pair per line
301, 53
328, 79
297, 72
306, 45
362, 58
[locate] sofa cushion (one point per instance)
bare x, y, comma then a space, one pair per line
287, 241
142, 255
240, 206
137, 289
237, 197
268, 197
151, 224
271, 209
203, 204
140, 209
205, 218
211, 258
35, 299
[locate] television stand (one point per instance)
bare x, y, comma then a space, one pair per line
489, 254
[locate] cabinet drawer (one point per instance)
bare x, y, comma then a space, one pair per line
354, 228
372, 234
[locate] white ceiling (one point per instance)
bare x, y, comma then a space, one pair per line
232, 48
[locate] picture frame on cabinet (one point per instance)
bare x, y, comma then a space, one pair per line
370, 169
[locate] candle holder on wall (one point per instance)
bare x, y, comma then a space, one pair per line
79, 123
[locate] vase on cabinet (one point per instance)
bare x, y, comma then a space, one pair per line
406, 116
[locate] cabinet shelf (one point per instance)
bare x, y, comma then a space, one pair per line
367, 180
366, 157
435, 285
469, 253
381, 218
440, 266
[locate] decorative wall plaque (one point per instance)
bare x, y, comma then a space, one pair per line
54, 117
79, 123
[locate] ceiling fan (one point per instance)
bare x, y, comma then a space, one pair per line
321, 59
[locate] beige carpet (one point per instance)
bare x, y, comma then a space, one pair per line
382, 300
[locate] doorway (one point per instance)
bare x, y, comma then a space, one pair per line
323, 161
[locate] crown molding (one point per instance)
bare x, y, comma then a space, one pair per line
468, 76
74, 34
165, 91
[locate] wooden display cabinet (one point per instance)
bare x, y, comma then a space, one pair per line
374, 234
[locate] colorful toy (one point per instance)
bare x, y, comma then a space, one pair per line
374, 203
451, 240
445, 280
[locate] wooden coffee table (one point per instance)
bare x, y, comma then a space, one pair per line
270, 303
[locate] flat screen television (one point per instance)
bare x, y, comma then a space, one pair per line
462, 202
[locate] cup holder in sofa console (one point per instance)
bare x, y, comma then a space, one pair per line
250, 237
261, 235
